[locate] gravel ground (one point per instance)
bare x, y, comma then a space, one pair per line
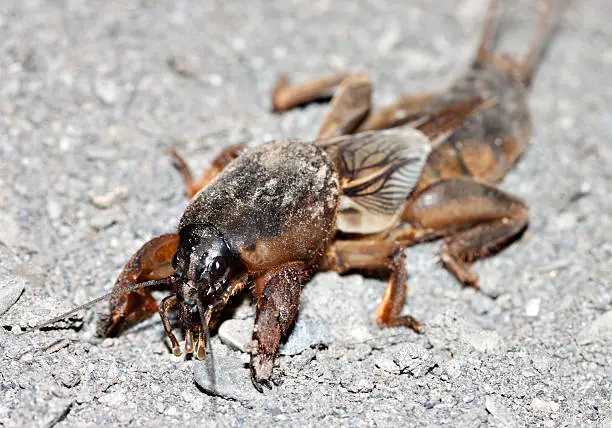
88, 107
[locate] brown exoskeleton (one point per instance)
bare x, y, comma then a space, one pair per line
270, 216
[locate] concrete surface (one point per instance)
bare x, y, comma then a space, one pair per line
88, 107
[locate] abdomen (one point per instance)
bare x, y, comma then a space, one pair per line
488, 144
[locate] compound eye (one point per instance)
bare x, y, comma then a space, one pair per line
217, 267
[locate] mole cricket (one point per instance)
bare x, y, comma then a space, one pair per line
268, 217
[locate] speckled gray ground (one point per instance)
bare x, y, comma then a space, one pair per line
88, 106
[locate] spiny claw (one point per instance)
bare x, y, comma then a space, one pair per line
261, 371
189, 341
176, 350
200, 349
258, 383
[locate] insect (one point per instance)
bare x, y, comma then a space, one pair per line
268, 217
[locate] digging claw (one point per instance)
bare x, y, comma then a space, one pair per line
176, 350
201, 351
188, 342
261, 372
256, 384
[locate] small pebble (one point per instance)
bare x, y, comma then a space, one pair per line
413, 359
360, 385
236, 333
428, 405
68, 377
102, 222
565, 221
106, 90
57, 345
111, 198
188, 397
485, 341
499, 411
171, 411
387, 364
196, 406
27, 357
307, 332
452, 368
539, 405
10, 233
390, 38
532, 309
84, 396
54, 209
230, 378
113, 399
238, 44
215, 80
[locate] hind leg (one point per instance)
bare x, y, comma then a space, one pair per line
219, 162
477, 218
286, 96
349, 106
489, 32
523, 70
538, 45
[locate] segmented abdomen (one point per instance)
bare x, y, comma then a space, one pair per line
487, 145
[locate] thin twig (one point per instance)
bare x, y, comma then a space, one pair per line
581, 352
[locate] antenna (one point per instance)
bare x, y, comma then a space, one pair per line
204, 317
89, 304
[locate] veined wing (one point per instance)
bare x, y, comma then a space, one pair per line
377, 171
